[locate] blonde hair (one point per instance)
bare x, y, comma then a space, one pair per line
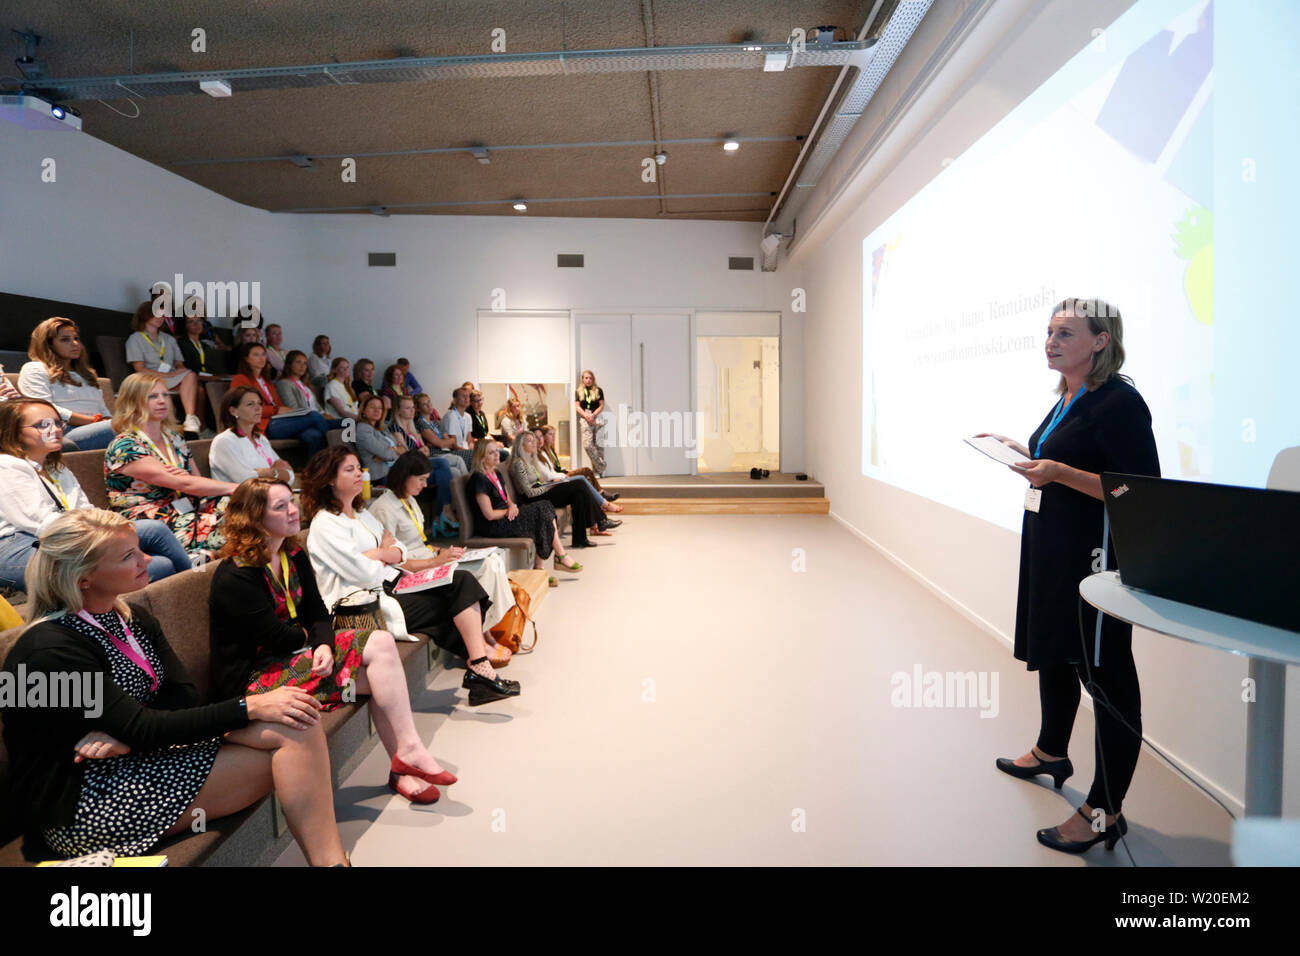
1101, 317
41, 349
480, 453
72, 545
529, 458
131, 410
587, 371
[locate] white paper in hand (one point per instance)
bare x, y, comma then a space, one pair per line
996, 450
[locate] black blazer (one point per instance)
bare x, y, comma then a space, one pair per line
213, 362
243, 626
46, 780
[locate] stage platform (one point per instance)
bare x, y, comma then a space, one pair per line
718, 493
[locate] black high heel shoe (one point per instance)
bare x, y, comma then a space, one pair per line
1051, 837
1058, 770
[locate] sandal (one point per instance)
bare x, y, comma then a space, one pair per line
551, 582
601, 532
575, 566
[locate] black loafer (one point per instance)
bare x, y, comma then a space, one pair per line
484, 691
611, 497
505, 682
611, 523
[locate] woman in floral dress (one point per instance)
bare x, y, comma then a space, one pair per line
149, 472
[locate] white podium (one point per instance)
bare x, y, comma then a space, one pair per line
1270, 649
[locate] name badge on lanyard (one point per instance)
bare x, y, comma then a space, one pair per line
1033, 499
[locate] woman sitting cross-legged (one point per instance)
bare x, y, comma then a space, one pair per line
150, 349
403, 428
429, 428
398, 510
572, 493
241, 451
149, 471
269, 629
294, 388
152, 759
377, 446
502, 518
37, 489
355, 558
277, 422
550, 455
530, 450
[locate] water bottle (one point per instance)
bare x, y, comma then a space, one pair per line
365, 484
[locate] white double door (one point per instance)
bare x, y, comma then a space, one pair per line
642, 361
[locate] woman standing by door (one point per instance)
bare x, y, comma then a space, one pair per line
590, 402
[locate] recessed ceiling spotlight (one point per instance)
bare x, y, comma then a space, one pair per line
217, 88
731, 145
521, 206
302, 162
58, 112
481, 154
661, 157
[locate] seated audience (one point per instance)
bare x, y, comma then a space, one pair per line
201, 354
244, 320
479, 428
413, 386
38, 488
318, 363
275, 353
499, 517
575, 494
549, 474
351, 552
150, 473
456, 423
153, 758
294, 388
427, 424
270, 629
195, 306
363, 384
403, 428
551, 457
377, 447
339, 394
241, 451
246, 335
510, 421
149, 349
307, 427
398, 510
394, 385
60, 373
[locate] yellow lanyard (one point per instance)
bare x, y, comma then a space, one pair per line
170, 458
288, 592
162, 345
419, 525
203, 356
54, 487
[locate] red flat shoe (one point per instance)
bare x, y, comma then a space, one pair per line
429, 794
403, 769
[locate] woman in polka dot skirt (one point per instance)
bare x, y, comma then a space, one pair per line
134, 757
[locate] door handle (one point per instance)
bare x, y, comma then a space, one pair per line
643, 408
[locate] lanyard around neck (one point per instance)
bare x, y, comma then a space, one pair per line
53, 487
1061, 411
419, 525
133, 651
162, 344
170, 458
288, 591
497, 482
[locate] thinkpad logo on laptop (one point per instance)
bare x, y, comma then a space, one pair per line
1120, 490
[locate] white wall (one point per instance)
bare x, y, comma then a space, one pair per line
111, 224
1192, 704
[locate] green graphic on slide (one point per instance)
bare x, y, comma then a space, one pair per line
1194, 241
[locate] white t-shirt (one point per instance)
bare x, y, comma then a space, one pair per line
336, 389
459, 426
83, 399
318, 367
235, 458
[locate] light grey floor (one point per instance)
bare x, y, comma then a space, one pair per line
695, 700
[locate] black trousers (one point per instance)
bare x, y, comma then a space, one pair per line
584, 512
431, 612
1116, 681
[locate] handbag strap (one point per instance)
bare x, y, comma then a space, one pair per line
339, 603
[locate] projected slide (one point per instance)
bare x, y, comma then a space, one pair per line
1112, 180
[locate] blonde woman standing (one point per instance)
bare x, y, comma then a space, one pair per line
590, 402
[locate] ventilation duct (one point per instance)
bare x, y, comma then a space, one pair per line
714, 56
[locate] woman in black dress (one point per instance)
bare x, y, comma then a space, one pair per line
1100, 424
149, 755
502, 518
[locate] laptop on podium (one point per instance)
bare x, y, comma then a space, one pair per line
1222, 547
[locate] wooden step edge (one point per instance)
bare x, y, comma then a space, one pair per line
752, 506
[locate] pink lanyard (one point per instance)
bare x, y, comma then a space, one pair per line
133, 651
497, 481
270, 461
305, 391
266, 390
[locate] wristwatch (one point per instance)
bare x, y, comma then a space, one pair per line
243, 707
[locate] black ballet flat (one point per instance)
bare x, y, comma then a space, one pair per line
1058, 770
1051, 837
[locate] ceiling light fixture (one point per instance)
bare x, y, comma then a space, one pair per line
661, 157
520, 206
216, 88
481, 154
379, 210
731, 145
302, 162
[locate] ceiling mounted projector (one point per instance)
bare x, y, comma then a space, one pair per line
32, 112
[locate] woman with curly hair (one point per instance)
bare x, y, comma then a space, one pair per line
270, 628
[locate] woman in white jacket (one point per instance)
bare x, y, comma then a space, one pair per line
354, 558
35, 489
241, 451
399, 512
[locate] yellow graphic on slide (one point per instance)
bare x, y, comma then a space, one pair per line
1194, 241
